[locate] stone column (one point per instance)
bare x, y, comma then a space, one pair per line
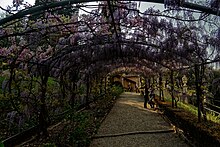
184, 92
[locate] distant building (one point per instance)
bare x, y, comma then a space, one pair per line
129, 82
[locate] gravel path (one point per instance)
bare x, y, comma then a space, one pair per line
128, 115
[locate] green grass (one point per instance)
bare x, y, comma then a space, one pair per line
188, 107
192, 109
51, 81
211, 116
167, 96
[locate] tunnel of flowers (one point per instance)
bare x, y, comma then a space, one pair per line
59, 56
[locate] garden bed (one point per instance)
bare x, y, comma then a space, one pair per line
76, 130
201, 134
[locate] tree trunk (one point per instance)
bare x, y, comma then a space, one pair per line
43, 116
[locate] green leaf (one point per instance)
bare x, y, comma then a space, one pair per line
1, 144
48, 145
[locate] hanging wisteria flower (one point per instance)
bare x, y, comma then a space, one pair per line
218, 33
215, 4
17, 3
173, 3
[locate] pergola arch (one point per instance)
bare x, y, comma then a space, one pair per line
68, 2
177, 45
77, 49
127, 56
107, 65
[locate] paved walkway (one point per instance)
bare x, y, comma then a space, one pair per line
130, 125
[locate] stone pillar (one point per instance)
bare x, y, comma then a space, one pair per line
184, 92
122, 81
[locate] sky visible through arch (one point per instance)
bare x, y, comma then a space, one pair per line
143, 5
5, 3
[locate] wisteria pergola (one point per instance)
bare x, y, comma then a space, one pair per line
114, 34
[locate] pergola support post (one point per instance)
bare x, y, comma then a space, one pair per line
146, 93
172, 87
100, 86
198, 92
105, 86
87, 88
160, 86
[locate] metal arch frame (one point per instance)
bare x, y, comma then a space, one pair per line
106, 70
137, 71
34, 9
104, 61
71, 49
103, 71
